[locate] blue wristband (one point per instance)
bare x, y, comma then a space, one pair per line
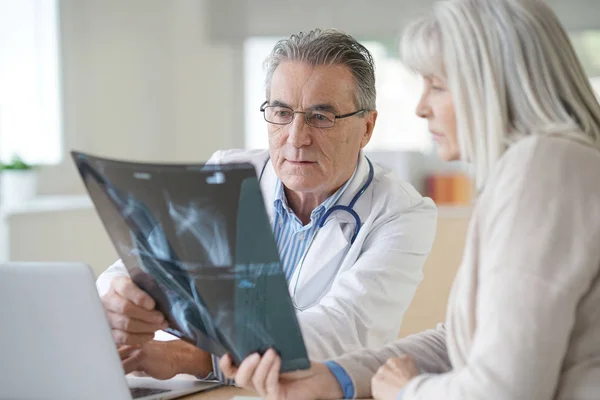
343, 378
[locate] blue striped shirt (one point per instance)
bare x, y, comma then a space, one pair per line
292, 237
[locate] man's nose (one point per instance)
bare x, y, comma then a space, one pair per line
299, 131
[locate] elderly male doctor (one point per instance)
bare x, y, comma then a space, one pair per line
352, 274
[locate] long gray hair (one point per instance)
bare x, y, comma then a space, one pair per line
512, 72
328, 47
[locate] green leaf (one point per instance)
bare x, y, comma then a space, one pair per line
16, 164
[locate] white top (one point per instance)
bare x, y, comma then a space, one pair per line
523, 318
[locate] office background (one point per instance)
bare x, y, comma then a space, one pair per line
176, 80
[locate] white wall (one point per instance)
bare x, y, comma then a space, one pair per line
71, 235
370, 19
162, 80
140, 80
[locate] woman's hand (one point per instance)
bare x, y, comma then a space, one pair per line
392, 376
261, 374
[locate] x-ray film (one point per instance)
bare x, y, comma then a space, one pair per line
197, 238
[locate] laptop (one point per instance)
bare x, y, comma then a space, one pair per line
55, 341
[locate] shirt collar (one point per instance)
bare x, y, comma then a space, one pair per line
281, 204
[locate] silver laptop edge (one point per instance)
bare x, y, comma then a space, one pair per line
55, 340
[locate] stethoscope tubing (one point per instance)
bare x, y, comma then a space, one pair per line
348, 208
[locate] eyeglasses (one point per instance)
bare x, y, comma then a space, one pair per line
281, 115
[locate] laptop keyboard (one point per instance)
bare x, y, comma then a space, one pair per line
138, 392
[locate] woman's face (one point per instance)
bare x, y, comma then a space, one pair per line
437, 107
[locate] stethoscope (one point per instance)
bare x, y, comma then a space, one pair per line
348, 208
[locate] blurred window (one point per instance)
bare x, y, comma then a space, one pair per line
398, 92
30, 112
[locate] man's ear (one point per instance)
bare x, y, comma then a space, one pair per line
370, 119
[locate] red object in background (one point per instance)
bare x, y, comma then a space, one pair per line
450, 189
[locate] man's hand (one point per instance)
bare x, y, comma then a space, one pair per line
164, 360
392, 377
261, 374
130, 312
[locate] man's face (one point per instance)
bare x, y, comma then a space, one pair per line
316, 160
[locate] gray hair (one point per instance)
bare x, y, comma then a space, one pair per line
327, 47
512, 72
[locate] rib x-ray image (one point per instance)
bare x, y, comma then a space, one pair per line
197, 238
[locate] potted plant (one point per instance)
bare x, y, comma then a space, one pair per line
18, 182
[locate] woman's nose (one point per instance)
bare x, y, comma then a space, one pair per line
423, 110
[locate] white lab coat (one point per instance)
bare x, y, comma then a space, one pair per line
351, 297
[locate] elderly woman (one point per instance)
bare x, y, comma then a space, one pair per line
505, 92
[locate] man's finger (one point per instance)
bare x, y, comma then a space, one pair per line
132, 325
116, 303
132, 363
126, 351
122, 338
127, 289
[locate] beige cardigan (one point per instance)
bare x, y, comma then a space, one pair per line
523, 319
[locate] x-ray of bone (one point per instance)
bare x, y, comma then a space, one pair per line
197, 238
